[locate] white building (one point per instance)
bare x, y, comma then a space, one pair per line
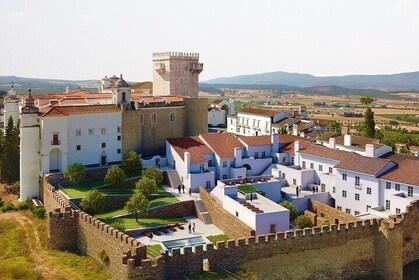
254, 121
11, 108
218, 110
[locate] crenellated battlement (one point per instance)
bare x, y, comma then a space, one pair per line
170, 55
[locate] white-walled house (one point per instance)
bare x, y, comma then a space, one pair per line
218, 110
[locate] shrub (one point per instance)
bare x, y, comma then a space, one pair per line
93, 202
15, 188
75, 172
29, 202
303, 222
39, 212
293, 209
104, 258
146, 186
119, 225
115, 176
8, 206
137, 205
132, 162
154, 174
22, 205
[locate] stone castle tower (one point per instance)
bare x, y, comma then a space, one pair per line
29, 150
176, 73
11, 108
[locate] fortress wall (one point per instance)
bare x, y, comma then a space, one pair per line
325, 212
196, 118
181, 208
410, 224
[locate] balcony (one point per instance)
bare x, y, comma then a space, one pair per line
197, 67
55, 142
159, 67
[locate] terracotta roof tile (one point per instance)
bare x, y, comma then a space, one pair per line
222, 144
193, 145
362, 164
286, 142
217, 101
78, 110
258, 111
324, 152
256, 140
406, 172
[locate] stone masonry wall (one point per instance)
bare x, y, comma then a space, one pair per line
178, 209
196, 116
410, 224
230, 225
325, 212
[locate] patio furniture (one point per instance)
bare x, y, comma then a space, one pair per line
179, 226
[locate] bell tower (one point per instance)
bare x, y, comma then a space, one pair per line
121, 93
11, 107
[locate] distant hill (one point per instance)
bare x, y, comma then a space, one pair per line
394, 82
22, 85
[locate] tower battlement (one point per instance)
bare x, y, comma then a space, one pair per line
175, 55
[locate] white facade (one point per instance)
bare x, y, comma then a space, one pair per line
11, 108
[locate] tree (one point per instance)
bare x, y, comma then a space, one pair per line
154, 174
10, 161
283, 130
366, 100
369, 123
137, 205
292, 208
75, 172
335, 126
115, 176
132, 162
146, 186
93, 202
303, 222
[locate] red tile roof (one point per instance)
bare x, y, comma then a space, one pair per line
406, 172
362, 164
193, 145
324, 152
258, 111
256, 140
217, 101
286, 142
78, 110
222, 144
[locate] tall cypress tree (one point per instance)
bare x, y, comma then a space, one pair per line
10, 160
369, 123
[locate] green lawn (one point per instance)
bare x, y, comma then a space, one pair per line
163, 200
130, 223
112, 213
248, 188
215, 238
154, 250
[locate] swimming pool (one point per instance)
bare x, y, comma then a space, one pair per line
180, 243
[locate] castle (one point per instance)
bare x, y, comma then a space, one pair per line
97, 129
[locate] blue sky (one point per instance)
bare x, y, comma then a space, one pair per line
82, 39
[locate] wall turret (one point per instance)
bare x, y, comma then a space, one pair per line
11, 107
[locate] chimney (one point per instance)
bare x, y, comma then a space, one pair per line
187, 160
275, 142
238, 155
347, 140
296, 146
297, 156
332, 143
295, 129
369, 150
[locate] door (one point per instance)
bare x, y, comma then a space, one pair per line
103, 160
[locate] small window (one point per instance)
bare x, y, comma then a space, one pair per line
224, 163
118, 137
103, 130
118, 151
339, 208
118, 129
91, 131
209, 162
320, 167
256, 155
397, 210
294, 182
344, 177
368, 190
356, 213
388, 185
343, 193
311, 165
357, 196
348, 211
78, 132
224, 176
334, 189
357, 181
153, 118
368, 207
397, 187
304, 165
323, 188
232, 163
330, 170
201, 168
409, 191
78, 147
387, 204
208, 185
172, 117
263, 154
103, 145
283, 176
237, 214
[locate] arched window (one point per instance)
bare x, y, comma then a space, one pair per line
124, 98
154, 118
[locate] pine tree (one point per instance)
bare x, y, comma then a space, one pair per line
369, 123
10, 163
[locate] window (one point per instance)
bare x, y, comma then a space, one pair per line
153, 118
118, 137
103, 130
283, 176
368, 207
397, 210
78, 147
304, 165
409, 191
343, 193
294, 182
172, 117
357, 196
78, 132
339, 208
344, 177
91, 131
397, 187
256, 155
330, 170
224, 176
55, 140
334, 189
208, 185
348, 211
201, 168
387, 204
388, 185
356, 213
357, 181
311, 165
118, 129
323, 188
237, 214
320, 167
232, 163
368, 190
141, 118
210, 162
103, 145
292, 160
118, 151
263, 154
224, 163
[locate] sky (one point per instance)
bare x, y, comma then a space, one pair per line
81, 39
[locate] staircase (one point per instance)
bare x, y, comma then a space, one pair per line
173, 179
202, 212
268, 170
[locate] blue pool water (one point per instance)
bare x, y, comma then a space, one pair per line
180, 243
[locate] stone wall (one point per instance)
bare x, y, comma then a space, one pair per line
230, 225
178, 209
196, 116
410, 223
56, 179
326, 213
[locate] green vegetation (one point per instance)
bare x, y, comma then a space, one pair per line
118, 225
93, 202
153, 174
335, 126
215, 238
8, 206
146, 186
131, 223
154, 250
137, 205
115, 176
111, 213
162, 200
292, 208
369, 123
75, 172
10, 153
391, 136
223, 275
132, 162
366, 100
303, 221
402, 117
248, 189
39, 212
